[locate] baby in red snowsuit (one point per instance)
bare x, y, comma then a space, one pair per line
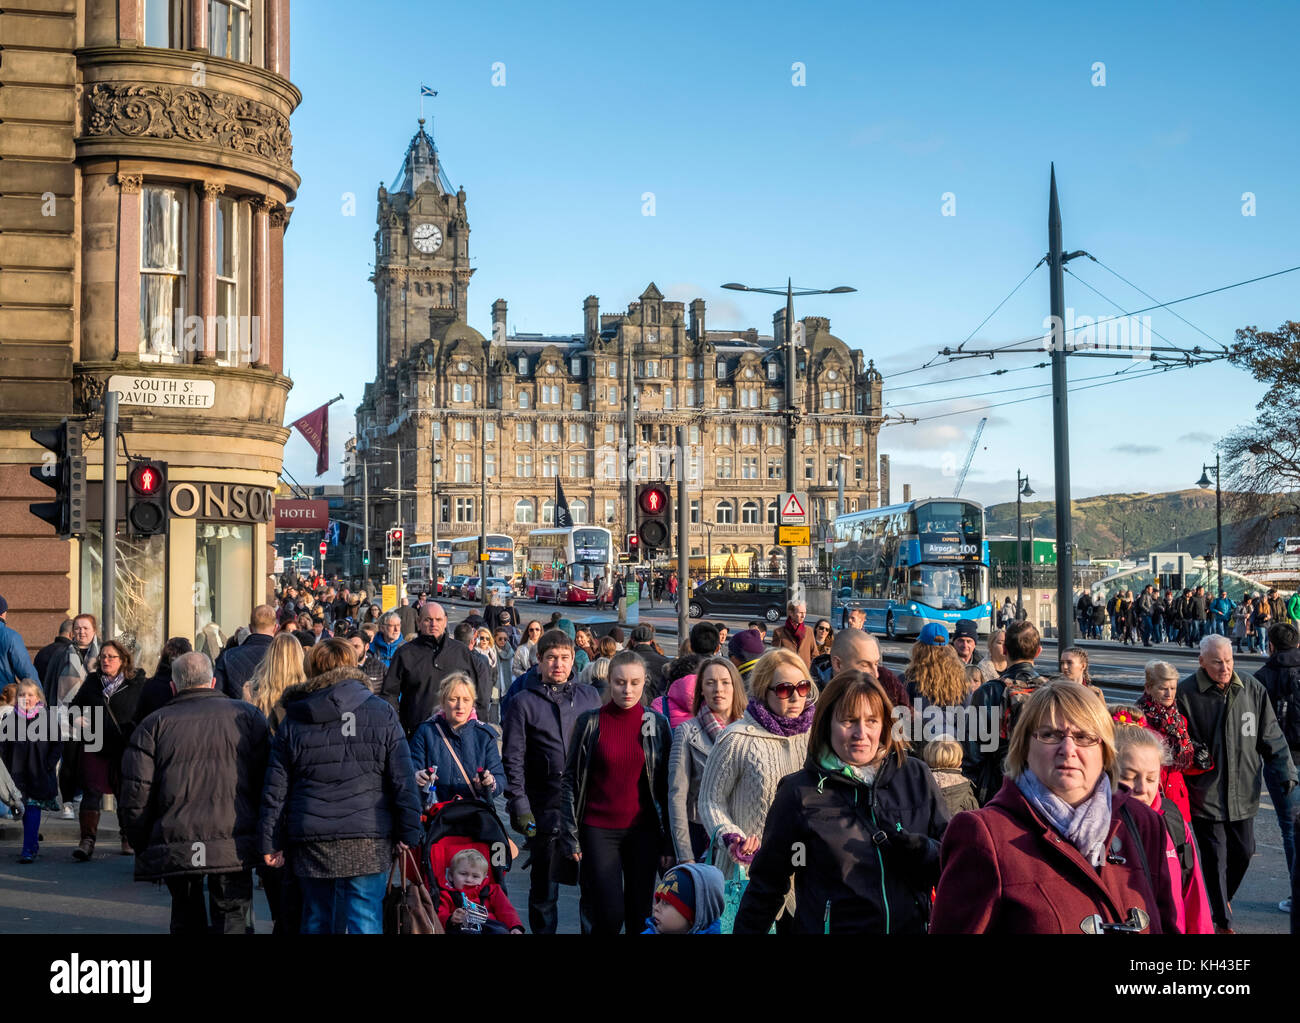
475, 905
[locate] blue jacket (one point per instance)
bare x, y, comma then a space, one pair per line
237, 665
476, 746
384, 650
538, 725
340, 767
15, 662
1222, 607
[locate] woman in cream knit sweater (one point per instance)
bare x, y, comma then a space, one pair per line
753, 754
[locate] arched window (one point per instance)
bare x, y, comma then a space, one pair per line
771, 513
548, 512
524, 511
749, 513
578, 511
726, 513
523, 399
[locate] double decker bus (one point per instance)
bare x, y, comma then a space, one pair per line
463, 554
907, 565
419, 566
566, 565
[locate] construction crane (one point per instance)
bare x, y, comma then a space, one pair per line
961, 476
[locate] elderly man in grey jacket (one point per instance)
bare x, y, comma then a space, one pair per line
1229, 714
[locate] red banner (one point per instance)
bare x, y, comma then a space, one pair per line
295, 514
315, 426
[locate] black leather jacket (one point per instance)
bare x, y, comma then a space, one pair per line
573, 789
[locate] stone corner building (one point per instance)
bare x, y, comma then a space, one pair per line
145, 172
520, 409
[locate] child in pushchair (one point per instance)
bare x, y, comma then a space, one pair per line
464, 859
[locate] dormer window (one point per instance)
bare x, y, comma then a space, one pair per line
771, 370
523, 364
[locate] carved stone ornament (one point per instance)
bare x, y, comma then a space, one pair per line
130, 183
195, 115
89, 394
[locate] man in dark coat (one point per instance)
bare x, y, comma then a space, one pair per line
43, 656
406, 615
642, 642
417, 669
1229, 713
191, 794
1280, 677
238, 664
1023, 645
538, 724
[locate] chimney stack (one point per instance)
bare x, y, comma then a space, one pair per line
591, 319
499, 322
697, 320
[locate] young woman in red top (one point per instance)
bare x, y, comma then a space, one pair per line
615, 803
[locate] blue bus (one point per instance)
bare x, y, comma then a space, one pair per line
907, 565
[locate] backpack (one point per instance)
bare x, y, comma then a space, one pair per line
1177, 828
1015, 694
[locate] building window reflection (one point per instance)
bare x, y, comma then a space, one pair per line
223, 572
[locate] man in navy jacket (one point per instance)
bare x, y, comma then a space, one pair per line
238, 664
538, 725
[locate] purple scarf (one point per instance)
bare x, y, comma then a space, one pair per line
781, 726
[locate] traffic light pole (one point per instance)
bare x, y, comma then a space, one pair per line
365, 520
108, 559
683, 543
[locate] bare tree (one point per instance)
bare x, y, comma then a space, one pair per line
1261, 460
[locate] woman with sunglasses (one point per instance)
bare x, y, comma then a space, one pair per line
107, 703
823, 636
867, 817
526, 653
750, 758
1057, 850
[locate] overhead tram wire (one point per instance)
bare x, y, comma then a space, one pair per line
1107, 298
1148, 294
1005, 390
1119, 379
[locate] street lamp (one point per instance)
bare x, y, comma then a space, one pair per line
708, 560
1022, 490
792, 413
1204, 483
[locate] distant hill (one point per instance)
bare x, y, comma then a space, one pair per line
1139, 523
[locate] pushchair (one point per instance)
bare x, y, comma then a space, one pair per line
462, 824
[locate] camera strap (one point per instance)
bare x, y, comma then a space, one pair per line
443, 736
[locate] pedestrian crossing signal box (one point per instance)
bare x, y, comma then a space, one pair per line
654, 521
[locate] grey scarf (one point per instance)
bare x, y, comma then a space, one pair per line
1085, 826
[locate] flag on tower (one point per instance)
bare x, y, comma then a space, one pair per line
426, 91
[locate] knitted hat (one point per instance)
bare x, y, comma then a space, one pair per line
966, 627
643, 633
4, 606
746, 644
566, 627
678, 890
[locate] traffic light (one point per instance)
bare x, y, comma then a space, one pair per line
393, 544
365, 556
654, 518
65, 472
633, 547
146, 497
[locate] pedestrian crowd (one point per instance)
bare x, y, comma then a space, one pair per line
787, 783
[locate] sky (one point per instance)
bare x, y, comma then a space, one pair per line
904, 152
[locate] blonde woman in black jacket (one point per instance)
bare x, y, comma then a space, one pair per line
614, 803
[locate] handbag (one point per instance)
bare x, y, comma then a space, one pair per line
733, 890
514, 849
408, 906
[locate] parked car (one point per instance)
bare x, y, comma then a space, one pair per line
469, 588
454, 585
743, 597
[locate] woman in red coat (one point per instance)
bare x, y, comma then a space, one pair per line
1163, 717
1056, 851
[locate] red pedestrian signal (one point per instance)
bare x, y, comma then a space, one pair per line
145, 480
653, 499
654, 525
146, 497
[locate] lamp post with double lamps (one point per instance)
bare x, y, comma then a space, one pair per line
791, 394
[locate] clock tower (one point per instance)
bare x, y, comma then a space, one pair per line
422, 266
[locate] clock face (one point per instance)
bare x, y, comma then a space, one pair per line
427, 238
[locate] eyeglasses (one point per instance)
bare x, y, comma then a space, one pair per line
784, 690
1056, 736
109, 657
822, 628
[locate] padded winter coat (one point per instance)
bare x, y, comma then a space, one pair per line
192, 786
340, 767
